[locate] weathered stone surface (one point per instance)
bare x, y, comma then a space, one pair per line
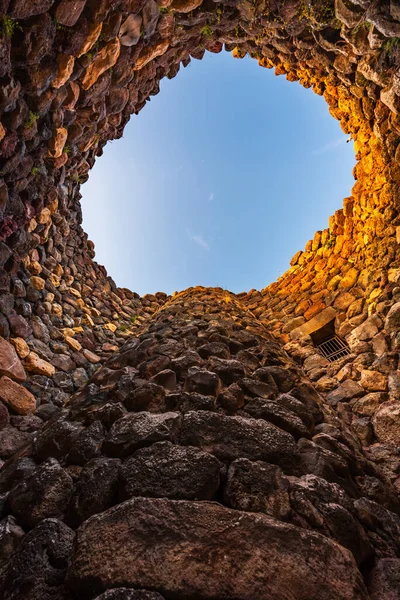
87, 444
148, 396
56, 145
112, 550
185, 6
150, 53
254, 387
257, 487
314, 323
11, 440
203, 382
129, 34
347, 390
385, 580
91, 356
275, 413
44, 494
314, 501
366, 330
65, 68
127, 594
16, 397
10, 536
344, 300
20, 346
4, 416
168, 471
37, 569
24, 10
35, 364
386, 422
373, 381
68, 12
368, 404
141, 429
95, 491
106, 58
72, 73
10, 364
186, 402
229, 438
54, 440
392, 322
166, 379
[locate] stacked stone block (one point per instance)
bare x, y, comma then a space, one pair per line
198, 462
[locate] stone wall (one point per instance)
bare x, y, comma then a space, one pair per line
72, 72
350, 272
123, 387
198, 462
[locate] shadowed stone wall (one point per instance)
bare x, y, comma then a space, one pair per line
214, 469
166, 404
72, 72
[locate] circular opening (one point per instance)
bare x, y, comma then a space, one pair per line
218, 182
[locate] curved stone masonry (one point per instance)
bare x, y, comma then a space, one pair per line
198, 462
73, 71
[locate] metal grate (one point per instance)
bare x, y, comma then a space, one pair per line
333, 348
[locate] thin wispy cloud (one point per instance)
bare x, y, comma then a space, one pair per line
200, 241
329, 147
211, 197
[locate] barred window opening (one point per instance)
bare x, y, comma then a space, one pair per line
328, 344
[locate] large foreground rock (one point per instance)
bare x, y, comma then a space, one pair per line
187, 550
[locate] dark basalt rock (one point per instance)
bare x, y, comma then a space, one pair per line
252, 387
202, 382
37, 568
148, 396
10, 536
231, 398
258, 487
274, 412
384, 582
126, 594
17, 468
4, 416
214, 349
12, 440
284, 378
229, 438
44, 494
175, 493
113, 544
166, 379
168, 471
22, 9
87, 444
95, 489
229, 371
167, 376
186, 402
141, 429
54, 440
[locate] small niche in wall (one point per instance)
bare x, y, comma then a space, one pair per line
328, 344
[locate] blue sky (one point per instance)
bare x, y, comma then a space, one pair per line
220, 179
